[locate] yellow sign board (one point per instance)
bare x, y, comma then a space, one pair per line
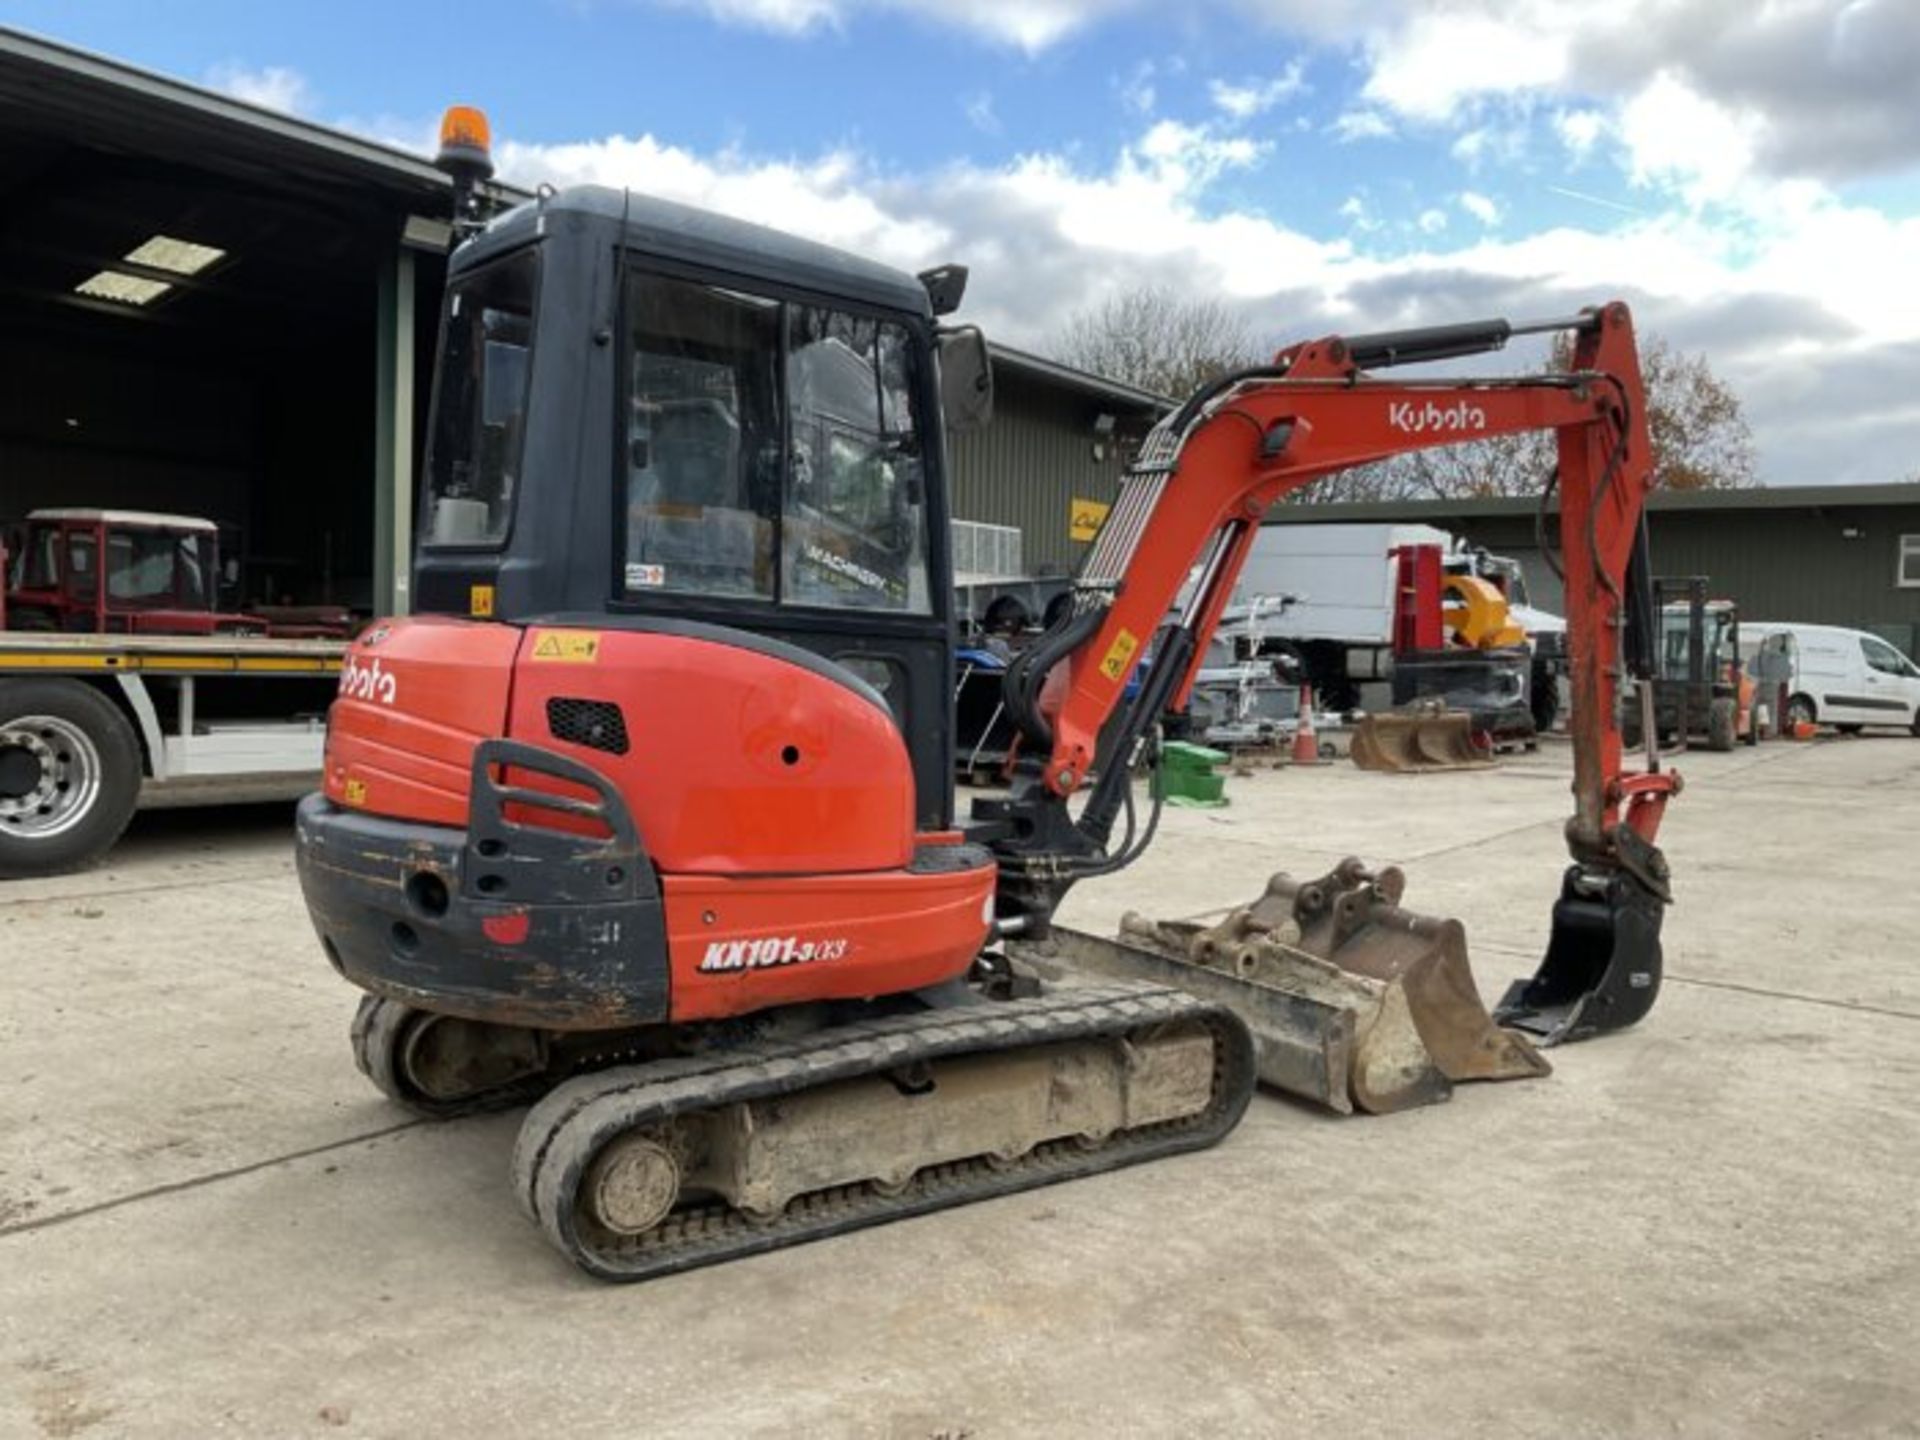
1125, 644
356, 792
566, 647
1084, 518
480, 601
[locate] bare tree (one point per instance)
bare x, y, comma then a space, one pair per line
1701, 441
1157, 340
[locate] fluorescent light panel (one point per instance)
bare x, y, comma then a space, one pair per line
122, 289
182, 257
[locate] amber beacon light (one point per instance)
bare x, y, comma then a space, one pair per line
466, 157
466, 142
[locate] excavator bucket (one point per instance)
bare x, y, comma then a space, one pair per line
1602, 969
1415, 741
1353, 1002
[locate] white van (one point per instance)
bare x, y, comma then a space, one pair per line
1844, 678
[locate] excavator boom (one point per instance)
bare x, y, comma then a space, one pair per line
1162, 569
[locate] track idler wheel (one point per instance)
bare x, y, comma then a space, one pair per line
439, 1065
633, 1184
1602, 969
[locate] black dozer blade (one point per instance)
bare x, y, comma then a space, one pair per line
1602, 970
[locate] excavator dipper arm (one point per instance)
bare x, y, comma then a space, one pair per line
1164, 565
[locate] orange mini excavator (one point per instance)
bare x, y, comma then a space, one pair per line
648, 816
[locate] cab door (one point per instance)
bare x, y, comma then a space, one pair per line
1892, 684
781, 475
1833, 672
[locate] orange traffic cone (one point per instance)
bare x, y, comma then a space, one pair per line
1306, 746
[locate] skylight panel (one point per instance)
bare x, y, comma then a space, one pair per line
122, 289
181, 257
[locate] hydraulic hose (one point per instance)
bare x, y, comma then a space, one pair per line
1028, 673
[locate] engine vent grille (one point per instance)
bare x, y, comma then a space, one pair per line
596, 724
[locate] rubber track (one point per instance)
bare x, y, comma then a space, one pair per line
376, 1038
564, 1131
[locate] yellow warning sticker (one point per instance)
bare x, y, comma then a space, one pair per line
356, 792
480, 601
1085, 517
1119, 654
567, 647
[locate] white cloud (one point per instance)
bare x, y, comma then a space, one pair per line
275, 87
1251, 98
1440, 58
1432, 222
1579, 130
1351, 125
1822, 87
1137, 90
1031, 25
1359, 217
1491, 144
788, 16
1677, 137
1479, 207
980, 112
1831, 81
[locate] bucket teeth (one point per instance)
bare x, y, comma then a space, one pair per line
1353, 1001
1424, 738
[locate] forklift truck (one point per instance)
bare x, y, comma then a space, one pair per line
1700, 688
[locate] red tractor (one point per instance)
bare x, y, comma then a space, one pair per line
132, 572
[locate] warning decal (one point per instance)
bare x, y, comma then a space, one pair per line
1085, 517
566, 647
1114, 667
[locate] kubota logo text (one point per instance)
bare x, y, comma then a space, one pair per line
725, 955
367, 682
1417, 419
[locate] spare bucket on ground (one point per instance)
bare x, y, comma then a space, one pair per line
1425, 736
1353, 1002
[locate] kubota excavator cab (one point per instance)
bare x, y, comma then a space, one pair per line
653, 415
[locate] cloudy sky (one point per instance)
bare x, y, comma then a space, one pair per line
1745, 172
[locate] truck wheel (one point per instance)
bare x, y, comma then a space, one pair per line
1801, 711
1721, 724
69, 776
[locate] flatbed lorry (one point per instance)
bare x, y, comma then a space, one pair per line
94, 727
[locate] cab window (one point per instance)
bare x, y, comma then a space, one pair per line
480, 407
853, 535
139, 566
40, 565
80, 561
772, 451
703, 441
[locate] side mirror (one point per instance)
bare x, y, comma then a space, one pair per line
966, 378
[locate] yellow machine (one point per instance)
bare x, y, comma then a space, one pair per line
1476, 615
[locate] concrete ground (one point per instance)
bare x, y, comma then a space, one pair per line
209, 1224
